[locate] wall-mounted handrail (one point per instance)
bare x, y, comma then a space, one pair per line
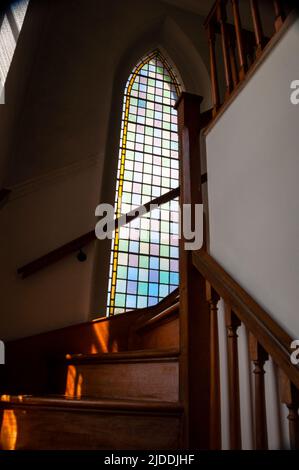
80, 242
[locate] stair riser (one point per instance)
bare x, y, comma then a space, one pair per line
140, 380
165, 335
61, 430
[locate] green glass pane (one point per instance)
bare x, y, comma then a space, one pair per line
131, 136
142, 288
132, 117
164, 250
122, 272
164, 277
165, 227
123, 245
149, 131
120, 300
143, 261
145, 237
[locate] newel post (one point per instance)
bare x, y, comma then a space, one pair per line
194, 308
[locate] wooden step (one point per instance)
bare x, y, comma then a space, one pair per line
147, 375
60, 423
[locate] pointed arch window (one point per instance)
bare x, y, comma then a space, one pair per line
144, 256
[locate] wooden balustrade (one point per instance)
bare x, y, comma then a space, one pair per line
232, 324
247, 45
266, 338
259, 356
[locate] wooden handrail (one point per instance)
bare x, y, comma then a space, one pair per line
78, 243
272, 337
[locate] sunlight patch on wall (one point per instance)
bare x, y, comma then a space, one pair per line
11, 22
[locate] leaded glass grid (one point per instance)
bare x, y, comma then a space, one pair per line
12, 15
144, 256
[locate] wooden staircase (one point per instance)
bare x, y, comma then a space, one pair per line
114, 400
151, 379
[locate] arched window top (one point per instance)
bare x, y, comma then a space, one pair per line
144, 258
156, 68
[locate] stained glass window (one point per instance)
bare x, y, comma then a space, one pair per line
144, 257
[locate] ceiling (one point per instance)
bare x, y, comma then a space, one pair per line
201, 7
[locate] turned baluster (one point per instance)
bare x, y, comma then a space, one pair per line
240, 41
215, 411
232, 57
213, 66
289, 395
221, 17
279, 14
194, 327
232, 324
257, 25
259, 356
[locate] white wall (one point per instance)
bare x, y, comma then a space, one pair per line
253, 168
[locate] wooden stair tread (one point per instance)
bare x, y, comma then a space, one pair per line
87, 404
144, 355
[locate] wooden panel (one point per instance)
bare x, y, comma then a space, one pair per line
141, 380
